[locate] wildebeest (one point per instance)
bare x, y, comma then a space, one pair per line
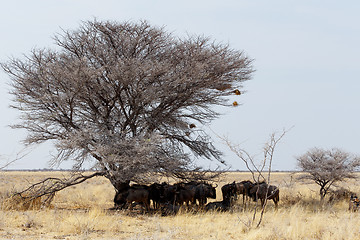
228, 191
156, 193
203, 191
264, 191
168, 193
168, 209
122, 186
132, 194
190, 192
221, 206
181, 193
184, 193
121, 193
243, 188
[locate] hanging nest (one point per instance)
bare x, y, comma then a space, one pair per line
192, 125
237, 92
235, 104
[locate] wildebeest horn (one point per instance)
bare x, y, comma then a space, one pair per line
216, 185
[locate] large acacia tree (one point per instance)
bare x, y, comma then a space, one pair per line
129, 95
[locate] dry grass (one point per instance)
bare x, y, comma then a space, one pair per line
80, 212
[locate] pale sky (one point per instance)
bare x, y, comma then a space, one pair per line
307, 61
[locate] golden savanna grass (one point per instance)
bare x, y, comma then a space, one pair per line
82, 212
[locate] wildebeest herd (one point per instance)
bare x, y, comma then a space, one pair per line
168, 198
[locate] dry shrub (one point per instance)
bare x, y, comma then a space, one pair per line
289, 200
340, 194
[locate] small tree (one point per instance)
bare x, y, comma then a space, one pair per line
260, 170
325, 167
128, 95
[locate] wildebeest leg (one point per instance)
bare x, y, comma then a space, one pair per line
147, 205
262, 202
275, 202
122, 206
130, 203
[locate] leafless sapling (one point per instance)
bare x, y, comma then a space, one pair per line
260, 170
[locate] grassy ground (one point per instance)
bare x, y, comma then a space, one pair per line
81, 212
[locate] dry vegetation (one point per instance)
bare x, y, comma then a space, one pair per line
81, 212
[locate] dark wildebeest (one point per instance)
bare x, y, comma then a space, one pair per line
168, 209
120, 199
135, 194
221, 206
168, 193
184, 193
203, 191
122, 186
243, 188
156, 193
228, 191
263, 190
120, 195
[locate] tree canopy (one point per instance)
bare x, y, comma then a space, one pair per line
129, 95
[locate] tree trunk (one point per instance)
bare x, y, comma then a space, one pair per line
323, 192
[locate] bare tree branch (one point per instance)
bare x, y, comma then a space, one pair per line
10, 160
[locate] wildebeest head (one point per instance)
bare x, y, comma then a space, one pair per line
211, 191
206, 190
120, 199
122, 186
168, 193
